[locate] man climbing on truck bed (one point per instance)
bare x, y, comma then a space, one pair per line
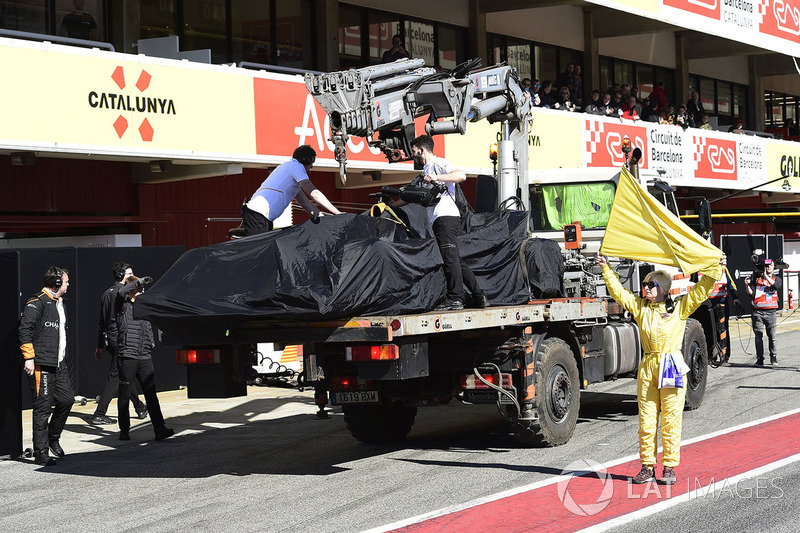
445, 220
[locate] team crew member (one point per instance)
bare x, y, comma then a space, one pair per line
661, 325
445, 220
764, 292
276, 193
107, 341
43, 338
723, 295
136, 343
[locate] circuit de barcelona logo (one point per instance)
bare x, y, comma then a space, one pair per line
132, 104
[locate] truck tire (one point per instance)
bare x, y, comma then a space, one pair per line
375, 424
695, 353
557, 400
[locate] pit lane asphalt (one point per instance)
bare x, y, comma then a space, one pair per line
264, 463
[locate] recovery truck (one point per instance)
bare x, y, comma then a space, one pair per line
532, 360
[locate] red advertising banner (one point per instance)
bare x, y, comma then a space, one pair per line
781, 19
287, 116
604, 143
714, 158
707, 8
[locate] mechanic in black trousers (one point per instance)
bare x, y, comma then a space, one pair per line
136, 343
107, 341
43, 341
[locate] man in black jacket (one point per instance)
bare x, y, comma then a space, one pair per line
136, 342
43, 341
107, 341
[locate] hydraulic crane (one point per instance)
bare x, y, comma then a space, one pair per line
381, 102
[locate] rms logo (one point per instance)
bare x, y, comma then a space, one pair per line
714, 158
604, 143
707, 8
782, 19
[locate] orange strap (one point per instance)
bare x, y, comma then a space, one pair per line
27, 351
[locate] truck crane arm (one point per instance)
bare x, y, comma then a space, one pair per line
381, 102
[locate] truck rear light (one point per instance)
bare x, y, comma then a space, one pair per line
471, 382
197, 357
384, 352
348, 383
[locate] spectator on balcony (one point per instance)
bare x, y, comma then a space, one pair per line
625, 89
668, 115
791, 128
79, 24
704, 124
660, 96
650, 111
617, 100
397, 51
546, 99
630, 111
577, 80
694, 108
593, 107
683, 119
737, 128
564, 79
564, 102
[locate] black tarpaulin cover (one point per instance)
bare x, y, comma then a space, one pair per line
341, 266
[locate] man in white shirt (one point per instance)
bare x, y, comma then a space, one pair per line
445, 220
286, 183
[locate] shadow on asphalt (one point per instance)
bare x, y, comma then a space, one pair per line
610, 406
232, 443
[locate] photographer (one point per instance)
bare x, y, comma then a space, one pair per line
397, 51
136, 342
444, 217
763, 288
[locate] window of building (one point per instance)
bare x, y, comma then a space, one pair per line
81, 19
365, 34
157, 19
351, 20
546, 63
451, 52
251, 31
420, 41
778, 107
382, 27
204, 26
518, 55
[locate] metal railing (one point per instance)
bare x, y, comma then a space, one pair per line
30, 36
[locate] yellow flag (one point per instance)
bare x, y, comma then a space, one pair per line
641, 228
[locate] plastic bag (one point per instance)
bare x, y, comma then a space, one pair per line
671, 371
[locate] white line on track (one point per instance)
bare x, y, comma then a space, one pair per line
666, 504
697, 493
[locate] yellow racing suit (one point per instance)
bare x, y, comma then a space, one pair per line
661, 333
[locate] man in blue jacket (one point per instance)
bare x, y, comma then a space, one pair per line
43, 341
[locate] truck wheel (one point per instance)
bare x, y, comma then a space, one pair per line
376, 424
695, 353
557, 399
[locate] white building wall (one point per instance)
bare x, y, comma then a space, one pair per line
559, 25
650, 48
733, 68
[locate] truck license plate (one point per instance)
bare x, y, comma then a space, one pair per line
484, 396
362, 396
